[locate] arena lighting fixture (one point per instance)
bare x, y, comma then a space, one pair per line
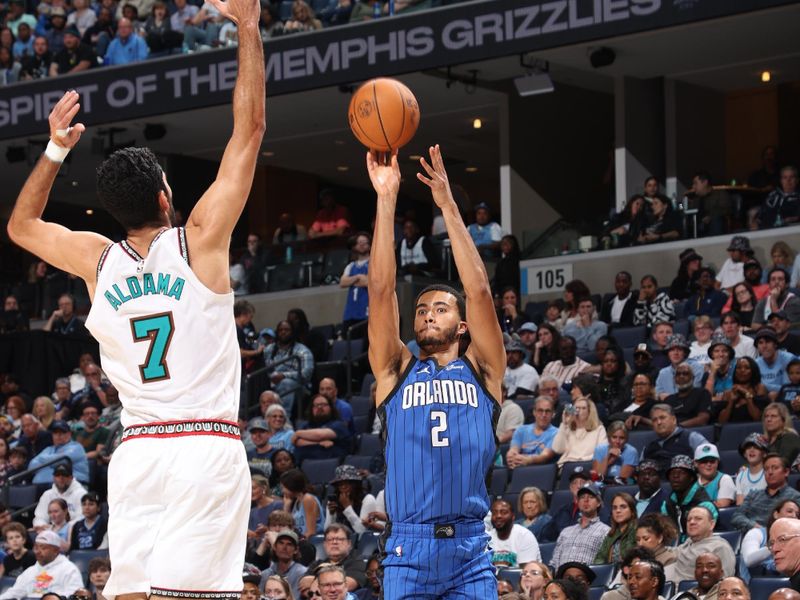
477, 123
89, 211
471, 169
602, 57
766, 77
414, 157
342, 168
267, 153
536, 80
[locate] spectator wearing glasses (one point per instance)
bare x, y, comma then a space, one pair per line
339, 553
703, 331
757, 506
692, 405
784, 543
332, 583
64, 321
535, 576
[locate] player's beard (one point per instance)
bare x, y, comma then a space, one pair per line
446, 337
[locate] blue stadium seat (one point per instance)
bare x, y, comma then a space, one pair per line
610, 491
81, 558
567, 470
603, 575
321, 470
640, 439
725, 516
284, 277
762, 587
707, 431
541, 476
596, 593
526, 404
681, 326
358, 461
20, 496
669, 589
367, 544
630, 337
367, 382
512, 576
338, 350
546, 551
362, 424
730, 461
370, 445
732, 434
6, 583
734, 538
559, 499
513, 499
361, 405
317, 541
686, 585
499, 479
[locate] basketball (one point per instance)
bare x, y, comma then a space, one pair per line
383, 114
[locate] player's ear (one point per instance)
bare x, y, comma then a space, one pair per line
163, 202
462, 328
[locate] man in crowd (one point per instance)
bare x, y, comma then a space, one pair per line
283, 564
719, 486
759, 504
732, 271
484, 232
533, 444
332, 583
772, 362
259, 457
286, 380
550, 387
64, 321
569, 365
12, 318
74, 57
64, 487
686, 493
250, 350
520, 378
782, 206
646, 580
618, 309
511, 417
708, 575
662, 331
17, 16
89, 433
183, 16
720, 370
672, 440
733, 588
581, 541
585, 330
328, 388
677, 351
37, 64
339, 552
91, 394
513, 545
778, 298
714, 205
34, 438
90, 532
62, 446
752, 275
780, 323
700, 527
414, 251
707, 300
354, 280
52, 573
577, 572
569, 513
330, 220
325, 435
651, 496
691, 405
784, 543
742, 345
126, 47
527, 337
779, 594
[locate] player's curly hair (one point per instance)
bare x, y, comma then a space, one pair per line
128, 184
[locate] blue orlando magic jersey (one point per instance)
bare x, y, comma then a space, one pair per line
439, 433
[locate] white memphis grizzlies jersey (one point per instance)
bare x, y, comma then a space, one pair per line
167, 342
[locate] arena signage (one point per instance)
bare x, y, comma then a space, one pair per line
435, 38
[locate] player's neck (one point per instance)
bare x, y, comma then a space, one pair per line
141, 239
442, 355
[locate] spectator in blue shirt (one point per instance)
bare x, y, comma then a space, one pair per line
23, 47
325, 436
707, 300
484, 232
62, 446
127, 47
533, 444
678, 350
772, 361
617, 460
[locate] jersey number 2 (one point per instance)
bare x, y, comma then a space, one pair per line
436, 439
157, 329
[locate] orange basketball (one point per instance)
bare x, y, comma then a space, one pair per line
383, 114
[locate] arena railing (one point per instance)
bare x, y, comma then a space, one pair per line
25, 476
258, 381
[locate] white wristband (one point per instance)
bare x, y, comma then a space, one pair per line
55, 152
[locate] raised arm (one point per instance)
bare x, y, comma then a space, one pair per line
387, 353
76, 252
486, 349
212, 221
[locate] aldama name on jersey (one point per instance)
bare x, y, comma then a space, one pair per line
151, 284
440, 391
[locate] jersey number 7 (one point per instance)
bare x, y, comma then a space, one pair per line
157, 329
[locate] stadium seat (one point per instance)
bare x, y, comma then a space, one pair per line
686, 585
762, 587
732, 434
559, 499
321, 470
526, 404
513, 499
283, 277
367, 544
536, 310
540, 476
20, 496
640, 439
610, 491
370, 445
707, 431
730, 461
361, 405
338, 351
669, 589
335, 260
362, 424
630, 337
6, 583
603, 575
725, 516
546, 551
681, 326
369, 378
794, 479
512, 576
498, 481
567, 470
596, 593
358, 461
81, 558
734, 538
317, 540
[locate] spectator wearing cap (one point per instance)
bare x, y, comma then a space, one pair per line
74, 57
54, 34
89, 533
692, 405
284, 552
52, 573
251, 579
642, 363
17, 15
707, 300
685, 282
513, 545
672, 440
520, 378
719, 378
527, 337
580, 542
700, 524
731, 326
778, 298
64, 487
353, 505
578, 573
757, 506
62, 446
779, 432
533, 444
732, 271
585, 328
678, 350
746, 400
686, 492
485, 233
126, 47
259, 457
338, 547
567, 514
751, 478
719, 486
772, 362
780, 323
651, 495
618, 309
653, 306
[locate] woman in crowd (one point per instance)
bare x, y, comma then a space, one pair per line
635, 412
754, 551
657, 533
510, 316
546, 348
703, 330
5, 466
280, 433
748, 397
611, 378
782, 438
277, 588
158, 30
616, 460
58, 511
506, 272
301, 503
303, 18
665, 224
554, 314
352, 505
564, 589
622, 535
743, 303
14, 409
263, 505
628, 224
82, 17
535, 576
574, 292
282, 461
44, 410
532, 505
653, 306
585, 386
580, 433
782, 256
685, 283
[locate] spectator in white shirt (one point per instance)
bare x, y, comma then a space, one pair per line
520, 377
52, 573
742, 345
732, 271
511, 418
64, 487
513, 545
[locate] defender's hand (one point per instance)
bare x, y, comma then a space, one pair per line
61, 133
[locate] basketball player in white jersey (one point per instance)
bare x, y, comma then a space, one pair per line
162, 311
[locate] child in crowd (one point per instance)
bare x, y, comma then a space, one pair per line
790, 392
719, 486
17, 461
751, 477
19, 557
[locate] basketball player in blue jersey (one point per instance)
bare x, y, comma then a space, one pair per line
438, 411
162, 313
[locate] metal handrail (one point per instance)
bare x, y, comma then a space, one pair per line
6, 491
348, 334
258, 373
